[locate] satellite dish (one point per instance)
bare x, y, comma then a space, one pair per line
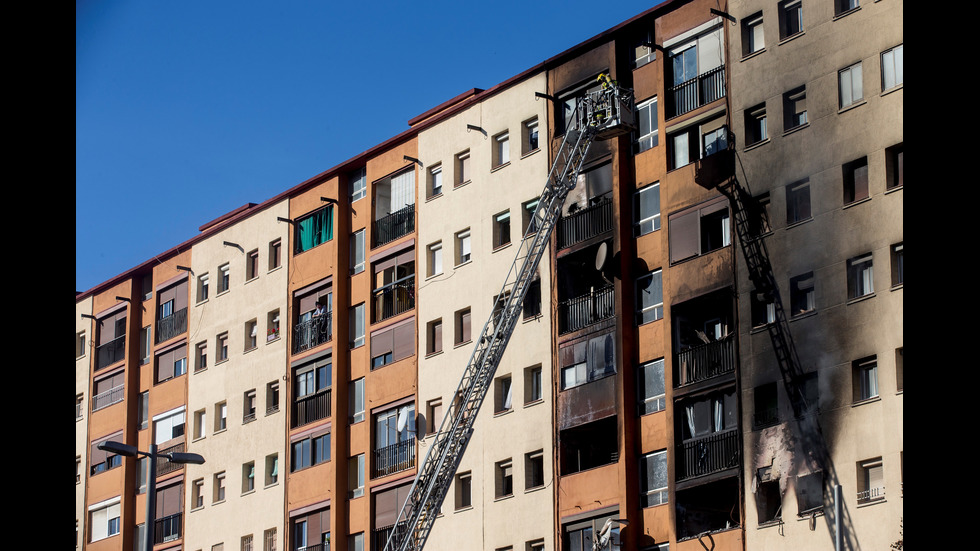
402, 418
601, 256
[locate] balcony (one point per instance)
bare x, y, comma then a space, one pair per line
392, 226
312, 332
393, 458
585, 224
165, 467
583, 311
700, 363
107, 398
871, 495
312, 407
710, 454
110, 352
381, 535
172, 325
394, 298
691, 94
167, 528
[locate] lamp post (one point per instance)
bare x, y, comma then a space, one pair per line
126, 450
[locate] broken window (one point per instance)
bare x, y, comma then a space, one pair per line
588, 445
768, 498
766, 406
588, 361
801, 294
809, 492
708, 507
653, 478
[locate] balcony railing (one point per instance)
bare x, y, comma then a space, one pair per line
167, 528
311, 407
164, 467
765, 418
703, 362
172, 325
586, 223
381, 536
107, 398
700, 90
710, 454
394, 298
392, 226
315, 547
393, 458
313, 332
583, 311
874, 494
110, 352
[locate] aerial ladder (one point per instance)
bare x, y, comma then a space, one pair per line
603, 113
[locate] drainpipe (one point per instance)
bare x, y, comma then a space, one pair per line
838, 539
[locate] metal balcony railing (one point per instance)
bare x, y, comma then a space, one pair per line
107, 398
313, 332
110, 352
873, 494
164, 467
700, 90
394, 298
392, 226
716, 452
311, 407
393, 458
703, 362
172, 325
583, 311
765, 418
167, 528
585, 224
381, 536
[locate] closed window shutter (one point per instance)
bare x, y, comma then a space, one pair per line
683, 230
403, 341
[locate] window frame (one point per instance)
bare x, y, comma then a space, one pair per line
756, 125
799, 207
850, 86
750, 25
322, 231
530, 139
790, 11
501, 150
651, 139
653, 221
357, 184
897, 62
802, 298
653, 496
651, 404
642, 309
793, 116
860, 276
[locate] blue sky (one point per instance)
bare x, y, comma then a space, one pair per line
187, 110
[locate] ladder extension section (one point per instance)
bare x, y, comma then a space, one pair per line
600, 114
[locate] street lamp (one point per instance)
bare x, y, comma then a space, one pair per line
605, 534
126, 450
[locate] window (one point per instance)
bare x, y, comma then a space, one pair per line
870, 480
146, 345
646, 209
222, 347
464, 490
224, 278
651, 387
171, 363
248, 477
356, 402
850, 85
462, 168
790, 18
504, 479
108, 390
755, 125
501, 149
269, 540
532, 299
313, 381
501, 229
355, 542
247, 543
252, 265
649, 297
696, 70
357, 252
802, 298
860, 276
272, 397
357, 184
462, 318
529, 136
202, 287
697, 142
648, 125
653, 478
355, 475
272, 326
894, 167
794, 108
527, 218
147, 286
433, 333
900, 368
463, 251
201, 356
220, 416
587, 360
891, 67
197, 493
898, 264
855, 180
251, 334
79, 408
535, 545
763, 308
567, 103
766, 406
841, 6
200, 423
533, 384
248, 407
753, 38
503, 394
357, 326
310, 451
798, 202
768, 497
143, 410
433, 415
218, 488
394, 443
534, 469
699, 230
104, 519
167, 427
101, 460
314, 229
271, 469
643, 50
434, 260
865, 378
809, 492
275, 252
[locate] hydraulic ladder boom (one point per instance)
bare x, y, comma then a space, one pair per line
600, 114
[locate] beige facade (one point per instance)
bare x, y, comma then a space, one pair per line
476, 221
84, 349
236, 356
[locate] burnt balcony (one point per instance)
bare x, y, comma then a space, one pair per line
168, 528
585, 224
312, 407
392, 226
107, 398
393, 458
165, 467
312, 332
172, 325
585, 310
110, 352
700, 363
691, 94
394, 298
716, 452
